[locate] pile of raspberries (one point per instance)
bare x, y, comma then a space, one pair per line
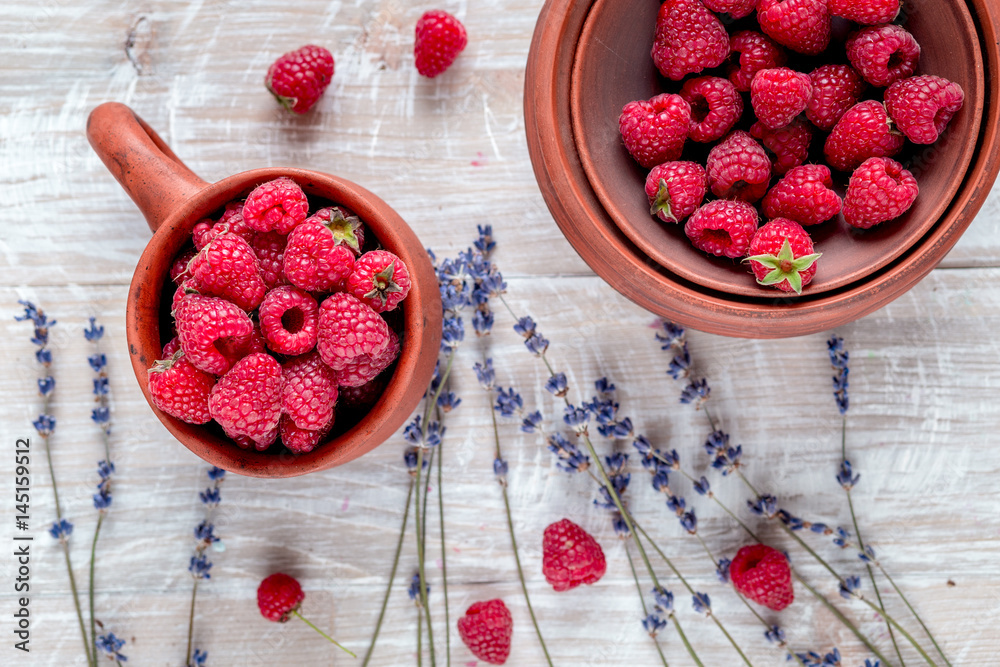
866, 109
280, 319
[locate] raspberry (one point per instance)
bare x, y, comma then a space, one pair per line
737, 9
804, 195
349, 330
781, 255
179, 269
180, 389
836, 88
922, 106
715, 104
440, 38
762, 574
801, 25
203, 324
363, 396
231, 221
654, 131
879, 190
182, 291
227, 268
269, 247
864, 131
738, 168
313, 262
570, 556
243, 442
722, 228
756, 52
279, 205
364, 369
247, 400
865, 12
779, 95
486, 629
379, 279
299, 440
675, 190
278, 596
298, 78
883, 54
347, 228
288, 318
172, 346
688, 39
789, 144
310, 392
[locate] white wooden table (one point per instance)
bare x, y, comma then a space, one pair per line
448, 154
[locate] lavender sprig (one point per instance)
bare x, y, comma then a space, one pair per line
205, 537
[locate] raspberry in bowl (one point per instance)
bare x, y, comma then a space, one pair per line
261, 341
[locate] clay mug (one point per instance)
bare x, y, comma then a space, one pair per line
173, 199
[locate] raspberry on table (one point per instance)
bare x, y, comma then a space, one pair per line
179, 389
736, 9
440, 37
804, 195
762, 574
247, 400
722, 228
269, 247
314, 260
801, 25
836, 88
288, 320
278, 596
779, 95
347, 228
227, 268
879, 190
865, 12
571, 556
715, 104
486, 629
310, 392
864, 131
754, 52
675, 190
789, 144
781, 255
279, 205
363, 369
298, 78
688, 39
654, 131
738, 168
922, 106
348, 330
380, 279
205, 322
883, 54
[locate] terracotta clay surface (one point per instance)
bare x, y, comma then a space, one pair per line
579, 75
173, 199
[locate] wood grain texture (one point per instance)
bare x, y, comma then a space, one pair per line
449, 154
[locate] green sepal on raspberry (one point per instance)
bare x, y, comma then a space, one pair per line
785, 266
662, 203
345, 228
383, 285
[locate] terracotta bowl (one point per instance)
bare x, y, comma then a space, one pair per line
581, 72
173, 199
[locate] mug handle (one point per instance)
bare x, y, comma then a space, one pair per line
156, 180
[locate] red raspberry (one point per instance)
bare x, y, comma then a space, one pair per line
864, 131
688, 39
362, 370
247, 400
762, 574
836, 88
243, 442
298, 78
756, 52
801, 25
486, 629
349, 330
781, 255
675, 190
231, 221
779, 95
278, 596
206, 322
440, 38
804, 195
364, 396
715, 104
179, 269
738, 168
227, 268
346, 227
279, 205
380, 279
182, 291
571, 556
654, 132
172, 346
790, 144
737, 9
180, 389
288, 319
865, 12
236, 349
922, 106
314, 261
879, 190
310, 392
299, 440
722, 228
883, 54
269, 247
